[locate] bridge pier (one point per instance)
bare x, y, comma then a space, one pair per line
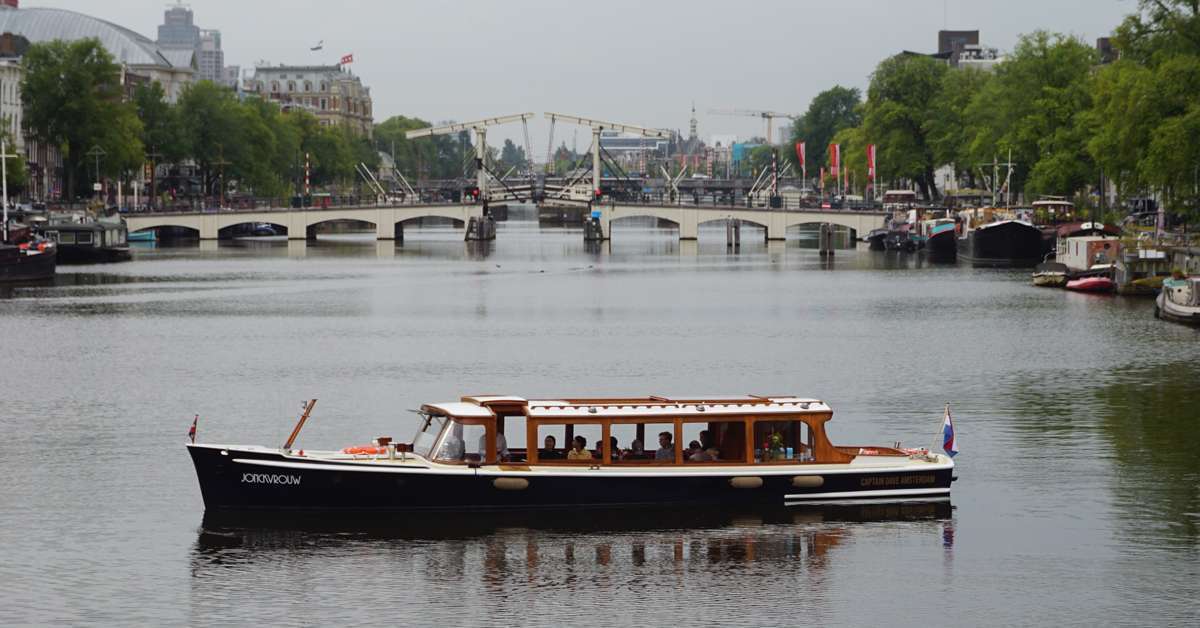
733, 233
825, 240
480, 228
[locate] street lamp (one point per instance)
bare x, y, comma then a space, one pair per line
97, 152
220, 163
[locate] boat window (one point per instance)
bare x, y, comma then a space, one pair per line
427, 433
638, 443
83, 237
564, 435
513, 430
714, 441
780, 441
460, 443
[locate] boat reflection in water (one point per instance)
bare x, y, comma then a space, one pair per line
597, 536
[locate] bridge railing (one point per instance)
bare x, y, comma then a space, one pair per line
729, 202
316, 202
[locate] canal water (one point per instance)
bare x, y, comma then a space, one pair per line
1078, 499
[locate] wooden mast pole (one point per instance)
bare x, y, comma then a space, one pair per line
300, 424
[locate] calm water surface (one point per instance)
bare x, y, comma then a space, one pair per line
1078, 501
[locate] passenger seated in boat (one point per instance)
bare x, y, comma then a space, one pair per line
666, 450
695, 453
579, 450
709, 445
617, 454
550, 452
502, 452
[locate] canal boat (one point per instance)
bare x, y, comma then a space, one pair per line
1179, 301
145, 235
1141, 271
941, 238
1050, 275
1000, 243
1095, 283
481, 453
876, 238
89, 241
23, 256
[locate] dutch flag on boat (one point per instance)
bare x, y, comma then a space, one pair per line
949, 444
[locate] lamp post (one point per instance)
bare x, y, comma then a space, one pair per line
220, 162
4, 156
97, 152
154, 156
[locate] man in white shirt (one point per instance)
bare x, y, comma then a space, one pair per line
501, 446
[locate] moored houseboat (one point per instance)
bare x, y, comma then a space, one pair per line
483, 453
941, 238
89, 241
989, 239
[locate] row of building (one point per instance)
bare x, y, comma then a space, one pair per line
182, 55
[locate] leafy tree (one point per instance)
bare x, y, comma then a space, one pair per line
213, 128
73, 100
1159, 30
901, 101
512, 156
438, 157
949, 131
1033, 107
18, 173
162, 131
830, 111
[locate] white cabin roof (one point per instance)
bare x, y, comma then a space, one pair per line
788, 406
461, 409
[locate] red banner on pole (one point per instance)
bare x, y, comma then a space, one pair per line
871, 161
835, 158
800, 154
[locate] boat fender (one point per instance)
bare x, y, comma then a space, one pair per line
746, 482
364, 450
511, 484
808, 481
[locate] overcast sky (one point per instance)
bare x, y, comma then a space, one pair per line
639, 62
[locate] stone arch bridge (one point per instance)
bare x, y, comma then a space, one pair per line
774, 221
300, 223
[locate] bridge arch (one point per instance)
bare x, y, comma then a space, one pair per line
653, 215
169, 230
252, 228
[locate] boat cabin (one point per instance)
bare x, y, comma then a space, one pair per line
649, 431
899, 199
1085, 252
96, 234
1053, 210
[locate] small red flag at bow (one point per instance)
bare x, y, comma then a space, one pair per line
192, 429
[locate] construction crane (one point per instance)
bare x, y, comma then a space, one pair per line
769, 116
481, 152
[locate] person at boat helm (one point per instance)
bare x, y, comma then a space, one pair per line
550, 452
579, 450
501, 446
666, 451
